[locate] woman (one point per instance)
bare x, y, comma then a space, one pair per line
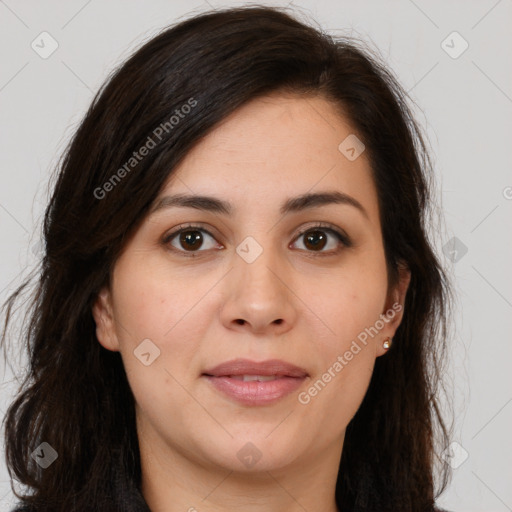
238, 306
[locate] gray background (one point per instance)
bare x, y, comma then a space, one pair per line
464, 104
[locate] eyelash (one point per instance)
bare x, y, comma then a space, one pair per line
342, 237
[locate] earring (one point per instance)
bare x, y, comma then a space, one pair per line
387, 343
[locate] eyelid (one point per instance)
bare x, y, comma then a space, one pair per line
340, 234
185, 227
326, 226
344, 241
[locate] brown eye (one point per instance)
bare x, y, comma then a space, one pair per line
190, 239
318, 238
315, 240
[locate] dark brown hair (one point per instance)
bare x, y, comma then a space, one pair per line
76, 396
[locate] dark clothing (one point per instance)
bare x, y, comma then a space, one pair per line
138, 506
130, 499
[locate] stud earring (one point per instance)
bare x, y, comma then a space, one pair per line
387, 343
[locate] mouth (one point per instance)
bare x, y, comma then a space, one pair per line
252, 383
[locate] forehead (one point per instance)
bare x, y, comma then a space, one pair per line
272, 147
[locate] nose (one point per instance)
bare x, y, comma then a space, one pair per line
259, 296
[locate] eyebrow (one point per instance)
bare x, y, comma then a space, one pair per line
291, 205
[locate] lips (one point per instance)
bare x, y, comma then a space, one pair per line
271, 367
252, 383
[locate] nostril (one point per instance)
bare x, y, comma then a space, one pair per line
241, 321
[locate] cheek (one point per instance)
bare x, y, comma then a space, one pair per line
350, 304
152, 305
336, 391
152, 302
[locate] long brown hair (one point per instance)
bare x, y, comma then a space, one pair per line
76, 396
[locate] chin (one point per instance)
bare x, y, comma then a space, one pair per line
251, 454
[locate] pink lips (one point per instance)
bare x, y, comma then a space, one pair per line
227, 378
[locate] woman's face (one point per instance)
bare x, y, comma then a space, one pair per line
262, 282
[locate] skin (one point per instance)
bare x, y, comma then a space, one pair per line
189, 433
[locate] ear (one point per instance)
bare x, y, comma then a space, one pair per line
394, 307
103, 316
